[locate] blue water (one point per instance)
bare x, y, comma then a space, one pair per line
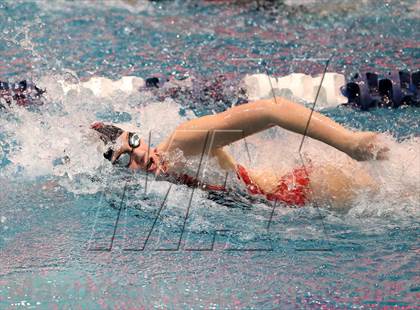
85, 235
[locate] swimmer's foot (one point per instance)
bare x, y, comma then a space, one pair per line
367, 146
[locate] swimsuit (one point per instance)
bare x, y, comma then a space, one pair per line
292, 189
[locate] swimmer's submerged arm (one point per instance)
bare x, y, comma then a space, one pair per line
225, 160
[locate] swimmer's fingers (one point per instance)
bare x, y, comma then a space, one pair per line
380, 150
369, 146
382, 153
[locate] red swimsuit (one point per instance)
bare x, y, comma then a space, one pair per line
293, 188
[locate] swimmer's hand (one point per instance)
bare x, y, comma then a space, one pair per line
366, 146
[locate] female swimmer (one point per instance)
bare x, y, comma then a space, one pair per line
209, 134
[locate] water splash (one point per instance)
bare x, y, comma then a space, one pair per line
55, 140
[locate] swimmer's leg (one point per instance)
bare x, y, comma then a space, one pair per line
297, 118
332, 187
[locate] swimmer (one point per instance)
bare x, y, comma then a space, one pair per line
211, 133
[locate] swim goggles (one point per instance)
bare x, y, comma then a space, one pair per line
124, 160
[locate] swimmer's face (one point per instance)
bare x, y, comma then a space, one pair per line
121, 153
135, 159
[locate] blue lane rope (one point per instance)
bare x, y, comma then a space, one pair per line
370, 90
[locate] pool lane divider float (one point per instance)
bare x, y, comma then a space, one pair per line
22, 93
393, 90
363, 91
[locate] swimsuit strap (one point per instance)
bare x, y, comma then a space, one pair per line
243, 175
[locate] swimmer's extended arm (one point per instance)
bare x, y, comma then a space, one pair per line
224, 128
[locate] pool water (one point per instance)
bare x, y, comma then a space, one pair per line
79, 233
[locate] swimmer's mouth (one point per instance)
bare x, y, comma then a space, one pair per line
108, 154
150, 162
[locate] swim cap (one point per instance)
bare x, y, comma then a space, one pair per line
108, 133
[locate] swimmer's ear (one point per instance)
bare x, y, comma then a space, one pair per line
107, 133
